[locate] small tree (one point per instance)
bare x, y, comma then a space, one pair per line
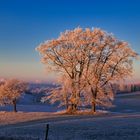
11, 91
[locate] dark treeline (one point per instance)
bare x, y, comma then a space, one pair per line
127, 88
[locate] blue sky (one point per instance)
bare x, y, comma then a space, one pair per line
24, 24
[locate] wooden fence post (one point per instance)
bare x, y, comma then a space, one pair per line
47, 130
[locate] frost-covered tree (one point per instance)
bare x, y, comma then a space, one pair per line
62, 94
91, 61
11, 90
110, 61
66, 56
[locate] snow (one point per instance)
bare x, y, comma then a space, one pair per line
127, 103
12, 117
110, 127
30, 108
121, 122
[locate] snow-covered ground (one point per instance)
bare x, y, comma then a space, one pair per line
122, 104
127, 103
123, 122
107, 127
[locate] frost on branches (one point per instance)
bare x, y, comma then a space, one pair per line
10, 91
89, 62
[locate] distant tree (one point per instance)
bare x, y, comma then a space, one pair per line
135, 87
132, 88
11, 90
91, 61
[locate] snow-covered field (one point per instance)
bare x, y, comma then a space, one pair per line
127, 103
123, 122
108, 127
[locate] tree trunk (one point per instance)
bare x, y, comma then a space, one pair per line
93, 107
74, 102
66, 103
15, 105
94, 95
72, 108
67, 107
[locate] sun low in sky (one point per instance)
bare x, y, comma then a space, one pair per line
25, 24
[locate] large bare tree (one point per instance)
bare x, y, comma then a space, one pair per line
91, 61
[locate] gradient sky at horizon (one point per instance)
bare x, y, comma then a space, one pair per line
24, 24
